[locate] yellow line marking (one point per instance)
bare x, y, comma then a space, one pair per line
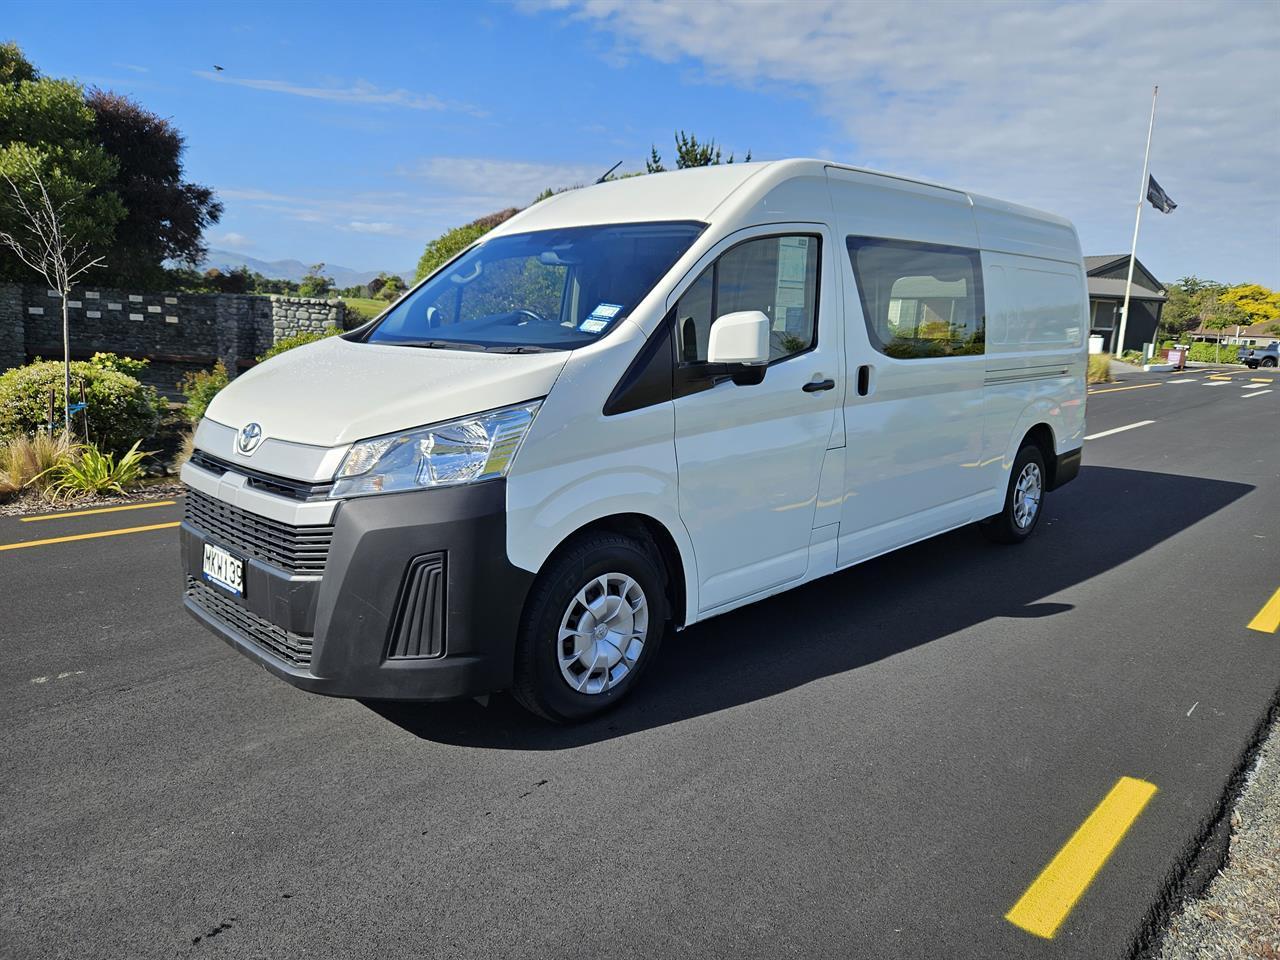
1051, 895
90, 513
1261, 380
88, 536
1136, 386
1219, 376
1268, 618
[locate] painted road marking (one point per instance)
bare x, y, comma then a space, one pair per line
1217, 383
1136, 386
88, 536
1051, 895
1268, 618
90, 513
1262, 379
1128, 426
1183, 380
62, 676
1219, 376
1258, 393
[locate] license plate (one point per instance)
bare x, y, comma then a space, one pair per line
224, 569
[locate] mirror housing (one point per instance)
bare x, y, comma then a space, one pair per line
739, 338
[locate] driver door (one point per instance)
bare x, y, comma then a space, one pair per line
750, 456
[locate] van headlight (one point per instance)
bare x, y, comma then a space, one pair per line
479, 447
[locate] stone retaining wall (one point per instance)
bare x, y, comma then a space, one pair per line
184, 331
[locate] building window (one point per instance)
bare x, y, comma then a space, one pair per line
776, 275
919, 299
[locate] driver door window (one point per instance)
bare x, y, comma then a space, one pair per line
776, 275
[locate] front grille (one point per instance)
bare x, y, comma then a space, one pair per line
266, 482
292, 648
299, 550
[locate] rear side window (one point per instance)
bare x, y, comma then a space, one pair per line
775, 275
919, 299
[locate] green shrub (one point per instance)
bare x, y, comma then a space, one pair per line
26, 461
125, 365
1099, 368
1210, 353
121, 410
200, 387
298, 340
92, 472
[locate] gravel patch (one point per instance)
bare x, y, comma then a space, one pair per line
34, 503
1238, 918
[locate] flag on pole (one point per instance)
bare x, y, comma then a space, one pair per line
1159, 199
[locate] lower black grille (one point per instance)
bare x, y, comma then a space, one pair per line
418, 630
292, 648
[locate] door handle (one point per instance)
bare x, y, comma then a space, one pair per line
813, 386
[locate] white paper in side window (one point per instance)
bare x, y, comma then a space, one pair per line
593, 325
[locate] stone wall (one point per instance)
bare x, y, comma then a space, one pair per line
176, 332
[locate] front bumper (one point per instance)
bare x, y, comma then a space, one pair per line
336, 634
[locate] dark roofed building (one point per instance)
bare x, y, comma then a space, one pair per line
1106, 276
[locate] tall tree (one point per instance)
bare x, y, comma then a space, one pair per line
690, 153
166, 216
45, 124
41, 235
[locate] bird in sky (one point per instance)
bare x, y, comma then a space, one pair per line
218, 68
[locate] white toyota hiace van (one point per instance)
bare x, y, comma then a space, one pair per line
632, 407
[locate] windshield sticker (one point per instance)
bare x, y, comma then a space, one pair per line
593, 324
605, 311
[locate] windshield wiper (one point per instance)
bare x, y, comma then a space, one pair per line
522, 348
439, 344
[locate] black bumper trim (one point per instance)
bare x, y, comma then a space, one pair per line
1066, 468
352, 608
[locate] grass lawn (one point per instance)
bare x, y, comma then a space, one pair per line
366, 307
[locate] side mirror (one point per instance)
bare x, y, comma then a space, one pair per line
739, 338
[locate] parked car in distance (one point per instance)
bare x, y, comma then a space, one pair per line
628, 409
1254, 357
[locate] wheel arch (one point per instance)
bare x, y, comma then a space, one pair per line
644, 527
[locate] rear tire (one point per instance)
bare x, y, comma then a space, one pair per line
1023, 500
1268, 362
595, 619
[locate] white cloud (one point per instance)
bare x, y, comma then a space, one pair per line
500, 183
232, 241
382, 228
1038, 103
360, 92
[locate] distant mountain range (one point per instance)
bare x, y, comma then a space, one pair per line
293, 270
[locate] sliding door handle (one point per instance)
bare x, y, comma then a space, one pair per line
813, 386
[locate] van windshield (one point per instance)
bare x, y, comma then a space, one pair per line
544, 290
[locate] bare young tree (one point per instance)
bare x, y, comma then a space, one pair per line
41, 241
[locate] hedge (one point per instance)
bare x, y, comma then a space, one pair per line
121, 410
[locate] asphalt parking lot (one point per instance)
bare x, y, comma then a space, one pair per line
915, 758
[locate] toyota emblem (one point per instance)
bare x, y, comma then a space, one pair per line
249, 438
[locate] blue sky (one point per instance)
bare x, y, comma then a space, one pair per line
354, 133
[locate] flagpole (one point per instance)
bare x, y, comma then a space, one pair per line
1137, 222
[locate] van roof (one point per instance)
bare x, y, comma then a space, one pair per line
696, 193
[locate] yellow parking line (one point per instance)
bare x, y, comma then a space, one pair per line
88, 536
90, 513
1268, 618
1261, 380
1136, 386
1051, 895
1219, 376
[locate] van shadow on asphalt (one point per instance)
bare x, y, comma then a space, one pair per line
845, 621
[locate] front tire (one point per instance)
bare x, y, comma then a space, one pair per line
596, 616
1022, 501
